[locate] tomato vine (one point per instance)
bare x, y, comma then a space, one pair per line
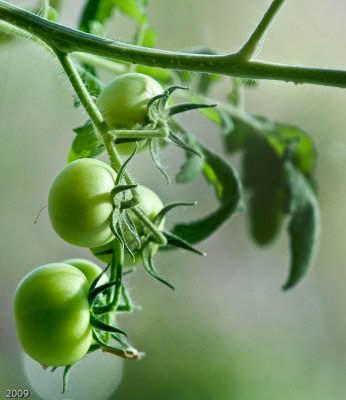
278, 160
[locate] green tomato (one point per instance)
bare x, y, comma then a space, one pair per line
123, 104
52, 314
151, 204
79, 202
89, 269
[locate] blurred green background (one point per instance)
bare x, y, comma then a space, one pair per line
228, 331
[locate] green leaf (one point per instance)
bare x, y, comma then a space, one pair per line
263, 176
5, 38
91, 12
162, 75
237, 138
85, 144
180, 108
192, 168
149, 37
174, 241
132, 8
100, 325
304, 153
304, 226
227, 186
102, 10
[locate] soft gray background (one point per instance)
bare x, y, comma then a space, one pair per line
228, 332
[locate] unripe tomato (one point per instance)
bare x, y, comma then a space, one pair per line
151, 204
123, 104
52, 314
79, 202
89, 269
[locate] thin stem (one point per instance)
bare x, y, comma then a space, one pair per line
139, 134
256, 39
68, 40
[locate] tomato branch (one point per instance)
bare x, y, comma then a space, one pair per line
68, 40
255, 41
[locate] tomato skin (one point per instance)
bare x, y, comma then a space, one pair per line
52, 314
123, 104
79, 202
89, 269
151, 204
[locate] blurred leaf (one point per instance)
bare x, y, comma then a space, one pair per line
53, 14
184, 107
85, 144
102, 10
160, 74
238, 138
193, 165
149, 37
263, 176
304, 226
132, 8
205, 81
5, 38
228, 190
304, 154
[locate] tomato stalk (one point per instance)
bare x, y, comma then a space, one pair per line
107, 138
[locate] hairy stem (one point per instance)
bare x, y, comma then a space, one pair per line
255, 41
68, 40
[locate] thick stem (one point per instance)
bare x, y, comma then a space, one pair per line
255, 41
68, 40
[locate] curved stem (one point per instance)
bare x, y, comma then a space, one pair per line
255, 41
68, 40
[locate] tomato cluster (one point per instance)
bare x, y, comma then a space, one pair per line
53, 310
